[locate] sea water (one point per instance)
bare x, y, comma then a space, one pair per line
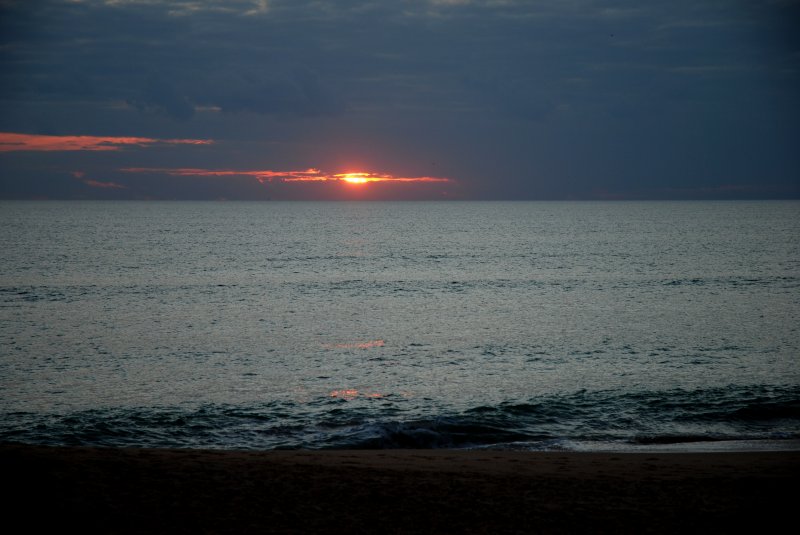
534, 325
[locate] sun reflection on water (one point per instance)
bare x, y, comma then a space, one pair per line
356, 345
353, 393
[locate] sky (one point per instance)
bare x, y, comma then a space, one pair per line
399, 99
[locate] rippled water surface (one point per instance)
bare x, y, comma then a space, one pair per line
262, 325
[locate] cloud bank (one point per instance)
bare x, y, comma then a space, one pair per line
518, 99
307, 175
11, 142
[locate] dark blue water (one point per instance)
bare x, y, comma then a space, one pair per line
367, 325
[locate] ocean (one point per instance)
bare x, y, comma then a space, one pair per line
512, 325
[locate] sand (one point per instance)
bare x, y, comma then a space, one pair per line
94, 490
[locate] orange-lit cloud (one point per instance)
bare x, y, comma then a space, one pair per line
80, 175
261, 176
362, 178
307, 175
105, 185
11, 142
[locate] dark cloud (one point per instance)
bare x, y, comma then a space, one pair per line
282, 93
572, 99
161, 96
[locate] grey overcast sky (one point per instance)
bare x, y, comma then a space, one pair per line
399, 99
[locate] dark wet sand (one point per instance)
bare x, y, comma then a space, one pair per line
443, 491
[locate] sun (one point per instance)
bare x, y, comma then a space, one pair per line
355, 178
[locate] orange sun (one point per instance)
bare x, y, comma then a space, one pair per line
355, 178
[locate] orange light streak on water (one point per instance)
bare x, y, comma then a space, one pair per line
353, 393
356, 345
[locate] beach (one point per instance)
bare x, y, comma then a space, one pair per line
129, 490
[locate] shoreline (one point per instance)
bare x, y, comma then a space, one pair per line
400, 491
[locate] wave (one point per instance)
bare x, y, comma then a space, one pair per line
545, 422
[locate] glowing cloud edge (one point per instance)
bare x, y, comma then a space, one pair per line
14, 142
269, 175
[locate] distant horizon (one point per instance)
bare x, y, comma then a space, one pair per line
585, 200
